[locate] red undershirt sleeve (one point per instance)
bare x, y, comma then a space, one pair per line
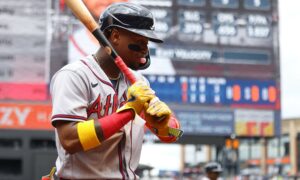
111, 124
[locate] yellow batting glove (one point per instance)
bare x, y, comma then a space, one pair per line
157, 118
137, 95
159, 109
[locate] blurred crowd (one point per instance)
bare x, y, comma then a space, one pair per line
209, 171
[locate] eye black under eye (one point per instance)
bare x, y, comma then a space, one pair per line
134, 47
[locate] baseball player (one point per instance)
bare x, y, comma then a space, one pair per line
213, 171
97, 113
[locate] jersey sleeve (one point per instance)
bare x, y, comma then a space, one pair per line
69, 97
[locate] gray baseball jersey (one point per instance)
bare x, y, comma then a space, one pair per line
82, 91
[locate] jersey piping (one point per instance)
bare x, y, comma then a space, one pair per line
66, 116
134, 175
100, 79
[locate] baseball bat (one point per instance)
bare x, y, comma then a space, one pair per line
82, 13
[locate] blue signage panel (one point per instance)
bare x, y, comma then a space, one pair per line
215, 91
206, 122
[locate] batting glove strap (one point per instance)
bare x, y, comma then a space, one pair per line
125, 107
137, 95
167, 132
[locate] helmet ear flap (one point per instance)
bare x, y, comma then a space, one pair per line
147, 63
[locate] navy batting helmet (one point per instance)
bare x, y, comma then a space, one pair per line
132, 17
213, 167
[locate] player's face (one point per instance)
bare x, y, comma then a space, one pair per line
133, 48
213, 175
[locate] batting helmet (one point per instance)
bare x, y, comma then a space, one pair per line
132, 17
213, 167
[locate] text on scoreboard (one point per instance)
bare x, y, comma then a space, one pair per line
215, 91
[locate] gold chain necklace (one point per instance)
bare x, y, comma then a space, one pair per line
96, 58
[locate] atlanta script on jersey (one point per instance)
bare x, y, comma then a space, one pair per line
82, 91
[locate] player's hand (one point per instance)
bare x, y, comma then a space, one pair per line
159, 109
158, 116
137, 95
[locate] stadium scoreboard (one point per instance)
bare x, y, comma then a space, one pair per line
218, 67
218, 57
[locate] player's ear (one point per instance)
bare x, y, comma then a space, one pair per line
115, 36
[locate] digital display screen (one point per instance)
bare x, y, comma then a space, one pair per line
220, 55
215, 91
206, 122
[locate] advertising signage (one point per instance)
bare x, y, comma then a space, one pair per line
24, 50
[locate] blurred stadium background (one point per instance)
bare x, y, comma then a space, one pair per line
219, 70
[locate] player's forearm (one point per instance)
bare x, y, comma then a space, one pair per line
67, 133
92, 133
109, 125
79, 136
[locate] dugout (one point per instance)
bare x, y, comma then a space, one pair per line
26, 154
